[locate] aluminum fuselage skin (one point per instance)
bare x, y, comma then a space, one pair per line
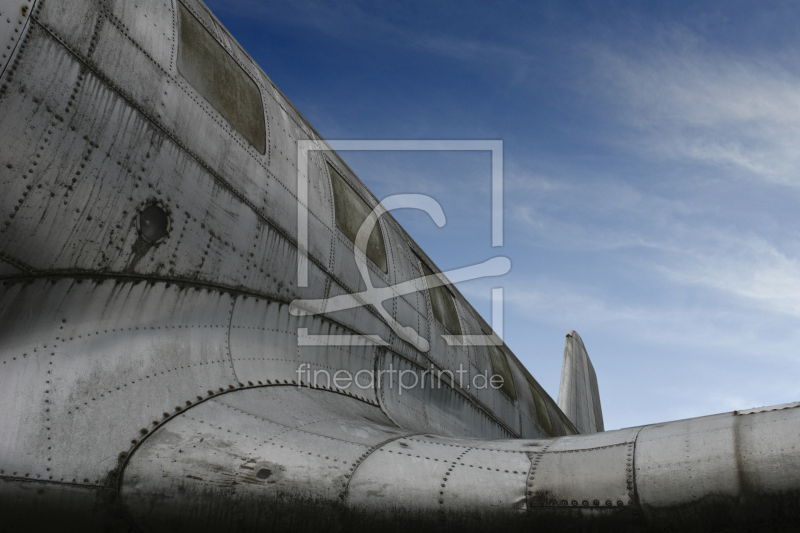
153, 385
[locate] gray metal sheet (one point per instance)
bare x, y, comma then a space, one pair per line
431, 405
101, 349
278, 446
13, 21
586, 471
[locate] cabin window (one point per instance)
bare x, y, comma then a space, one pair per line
444, 310
567, 427
213, 73
351, 212
541, 410
500, 368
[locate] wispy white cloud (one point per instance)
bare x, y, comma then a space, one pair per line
746, 266
690, 102
761, 269
685, 240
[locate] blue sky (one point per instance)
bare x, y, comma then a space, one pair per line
651, 164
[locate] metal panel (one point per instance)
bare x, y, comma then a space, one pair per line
251, 459
406, 310
91, 366
74, 22
151, 24
362, 319
723, 471
584, 472
8, 270
428, 403
265, 348
321, 225
680, 462
489, 481
404, 476
14, 17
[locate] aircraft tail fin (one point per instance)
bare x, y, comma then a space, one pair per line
578, 395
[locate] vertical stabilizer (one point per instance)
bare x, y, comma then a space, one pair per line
578, 395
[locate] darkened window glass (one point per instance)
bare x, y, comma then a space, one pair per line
208, 67
567, 427
351, 211
500, 368
541, 410
444, 310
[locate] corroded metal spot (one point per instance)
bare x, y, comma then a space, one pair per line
153, 223
269, 472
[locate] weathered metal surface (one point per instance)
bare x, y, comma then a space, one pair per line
14, 17
578, 394
148, 256
267, 458
89, 366
592, 471
432, 402
8, 270
714, 472
266, 347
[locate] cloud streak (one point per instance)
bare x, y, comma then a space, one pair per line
694, 103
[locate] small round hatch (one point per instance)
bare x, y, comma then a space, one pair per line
153, 222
